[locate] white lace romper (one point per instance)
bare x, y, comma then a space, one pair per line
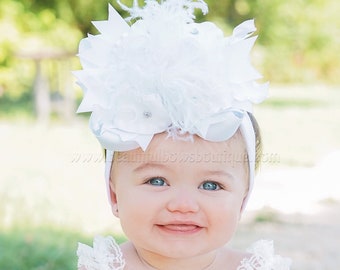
107, 255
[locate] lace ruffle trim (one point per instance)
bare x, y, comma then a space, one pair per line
107, 255
264, 258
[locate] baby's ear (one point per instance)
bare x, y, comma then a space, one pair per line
113, 200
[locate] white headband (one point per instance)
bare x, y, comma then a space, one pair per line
248, 134
166, 73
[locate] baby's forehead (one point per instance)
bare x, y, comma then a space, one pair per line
163, 149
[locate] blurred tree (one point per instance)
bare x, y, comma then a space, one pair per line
298, 42
232, 11
300, 38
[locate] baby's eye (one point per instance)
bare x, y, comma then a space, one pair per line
156, 181
210, 185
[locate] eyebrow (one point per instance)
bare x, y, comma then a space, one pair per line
149, 165
220, 173
153, 165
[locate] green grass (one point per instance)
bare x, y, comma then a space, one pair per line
300, 124
276, 103
38, 249
17, 107
41, 248
267, 215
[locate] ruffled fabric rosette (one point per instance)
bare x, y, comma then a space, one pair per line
264, 258
166, 73
105, 255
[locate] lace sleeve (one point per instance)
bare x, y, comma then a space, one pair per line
105, 255
263, 258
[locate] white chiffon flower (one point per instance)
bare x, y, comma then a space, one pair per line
166, 72
144, 115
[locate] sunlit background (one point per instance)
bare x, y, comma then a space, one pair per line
52, 190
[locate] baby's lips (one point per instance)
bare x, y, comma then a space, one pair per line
181, 227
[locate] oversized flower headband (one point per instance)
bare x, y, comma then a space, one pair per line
166, 73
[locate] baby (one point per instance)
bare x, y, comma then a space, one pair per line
171, 104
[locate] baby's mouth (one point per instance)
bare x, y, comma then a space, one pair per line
180, 228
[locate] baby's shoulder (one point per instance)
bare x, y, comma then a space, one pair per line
105, 254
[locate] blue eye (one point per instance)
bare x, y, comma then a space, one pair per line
156, 181
210, 185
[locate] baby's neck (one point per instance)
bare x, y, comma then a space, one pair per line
140, 259
205, 262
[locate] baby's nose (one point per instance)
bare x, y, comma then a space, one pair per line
183, 200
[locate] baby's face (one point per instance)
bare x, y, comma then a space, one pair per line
180, 198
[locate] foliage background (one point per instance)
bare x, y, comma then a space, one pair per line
298, 41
